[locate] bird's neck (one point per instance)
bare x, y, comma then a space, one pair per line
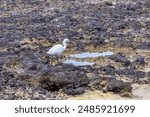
65, 45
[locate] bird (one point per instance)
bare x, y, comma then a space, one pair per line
57, 50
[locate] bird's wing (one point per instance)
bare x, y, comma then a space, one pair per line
56, 50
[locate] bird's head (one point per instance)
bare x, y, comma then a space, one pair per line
66, 40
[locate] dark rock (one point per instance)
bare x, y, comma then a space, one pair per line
122, 42
140, 60
95, 81
23, 34
40, 90
120, 25
12, 82
144, 45
21, 84
98, 41
33, 67
1, 84
61, 77
72, 34
136, 25
118, 86
114, 85
6, 77
8, 20
4, 97
12, 97
120, 58
134, 73
131, 7
74, 91
108, 3
24, 76
35, 2
148, 74
131, 73
109, 70
80, 46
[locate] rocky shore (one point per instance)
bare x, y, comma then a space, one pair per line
28, 28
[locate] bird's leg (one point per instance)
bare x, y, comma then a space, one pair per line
51, 58
61, 58
57, 59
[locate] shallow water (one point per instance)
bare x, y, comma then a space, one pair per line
85, 55
78, 63
91, 54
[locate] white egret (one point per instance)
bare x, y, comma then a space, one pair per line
58, 49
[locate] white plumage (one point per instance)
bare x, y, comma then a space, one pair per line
58, 49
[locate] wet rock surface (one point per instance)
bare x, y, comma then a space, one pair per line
25, 36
